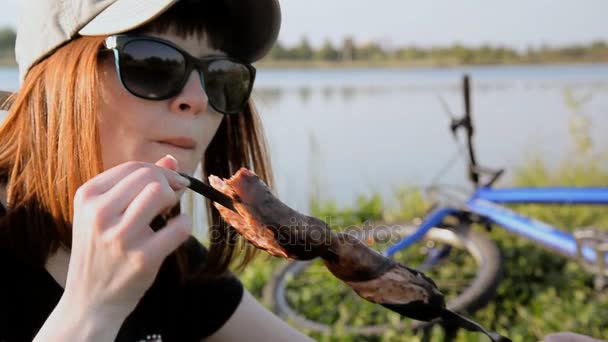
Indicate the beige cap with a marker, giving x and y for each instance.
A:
(45, 25)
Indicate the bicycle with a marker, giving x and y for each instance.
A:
(448, 237)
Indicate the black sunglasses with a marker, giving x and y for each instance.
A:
(156, 69)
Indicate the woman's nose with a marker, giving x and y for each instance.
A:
(193, 98)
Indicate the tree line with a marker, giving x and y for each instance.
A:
(350, 51)
(7, 44)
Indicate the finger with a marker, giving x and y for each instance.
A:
(166, 240)
(122, 194)
(168, 162)
(104, 181)
(155, 198)
(169, 165)
(142, 213)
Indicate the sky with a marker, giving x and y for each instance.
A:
(515, 23)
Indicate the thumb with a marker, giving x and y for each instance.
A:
(167, 162)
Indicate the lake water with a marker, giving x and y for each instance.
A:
(347, 132)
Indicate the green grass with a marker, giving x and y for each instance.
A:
(540, 294)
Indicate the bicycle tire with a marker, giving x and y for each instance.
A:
(477, 294)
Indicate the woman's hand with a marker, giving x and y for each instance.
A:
(115, 255)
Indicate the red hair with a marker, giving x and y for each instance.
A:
(49, 146)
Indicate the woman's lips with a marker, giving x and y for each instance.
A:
(179, 142)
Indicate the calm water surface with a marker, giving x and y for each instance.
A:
(340, 133)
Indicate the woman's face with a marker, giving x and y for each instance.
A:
(131, 128)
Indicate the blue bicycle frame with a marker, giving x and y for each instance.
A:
(485, 202)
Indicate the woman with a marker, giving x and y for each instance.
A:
(116, 96)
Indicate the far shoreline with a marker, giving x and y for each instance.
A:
(322, 65)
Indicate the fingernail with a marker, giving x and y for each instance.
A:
(171, 157)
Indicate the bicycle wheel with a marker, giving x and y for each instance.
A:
(308, 296)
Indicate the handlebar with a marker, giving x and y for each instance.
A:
(475, 171)
(494, 175)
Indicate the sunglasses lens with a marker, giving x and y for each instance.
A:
(228, 85)
(151, 70)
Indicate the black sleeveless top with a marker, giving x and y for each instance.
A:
(168, 311)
